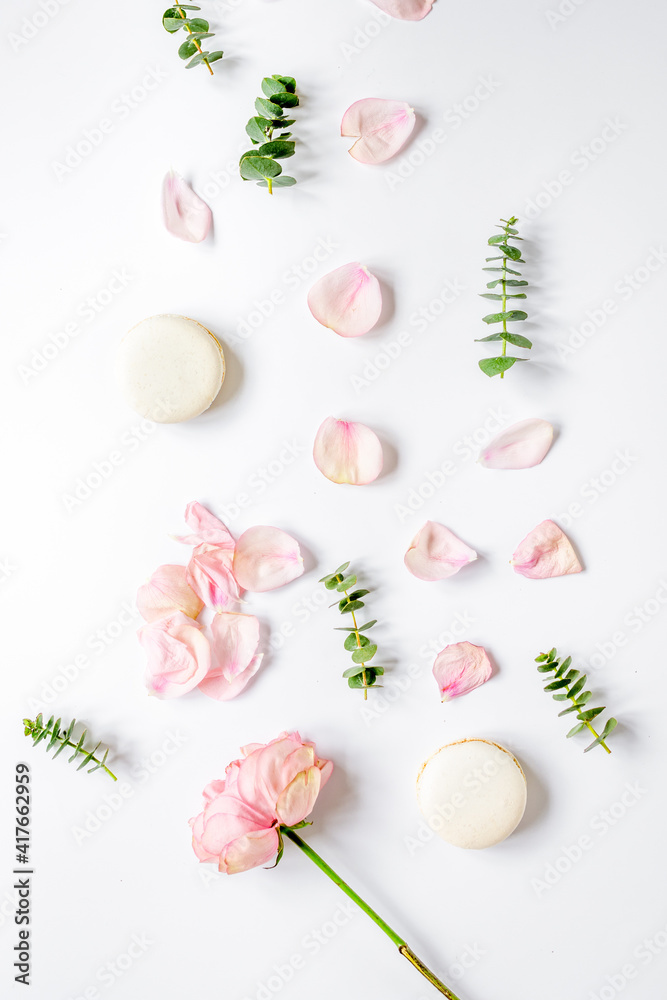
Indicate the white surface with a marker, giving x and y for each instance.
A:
(69, 575)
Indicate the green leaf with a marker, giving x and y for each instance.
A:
(545, 668)
(590, 714)
(258, 167)
(511, 316)
(285, 100)
(196, 24)
(199, 58)
(364, 654)
(212, 57)
(576, 688)
(356, 594)
(341, 569)
(288, 82)
(353, 671)
(496, 240)
(352, 606)
(358, 681)
(503, 270)
(255, 129)
(271, 85)
(286, 122)
(348, 582)
(491, 295)
(609, 728)
(517, 340)
(351, 642)
(494, 366)
(514, 253)
(555, 685)
(187, 49)
(277, 148)
(268, 109)
(283, 181)
(485, 340)
(559, 697)
(576, 729)
(566, 711)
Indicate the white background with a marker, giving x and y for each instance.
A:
(71, 570)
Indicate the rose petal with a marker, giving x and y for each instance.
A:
(436, 553)
(266, 558)
(382, 126)
(347, 452)
(460, 668)
(178, 655)
(544, 553)
(207, 528)
(405, 10)
(298, 799)
(234, 641)
(521, 446)
(210, 575)
(251, 851)
(347, 300)
(167, 591)
(185, 214)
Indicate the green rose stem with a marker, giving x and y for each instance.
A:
(398, 941)
(195, 40)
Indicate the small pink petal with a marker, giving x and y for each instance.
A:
(347, 300)
(266, 558)
(347, 452)
(185, 214)
(207, 528)
(461, 668)
(210, 575)
(405, 10)
(544, 553)
(521, 446)
(436, 553)
(234, 659)
(297, 800)
(167, 591)
(382, 128)
(178, 655)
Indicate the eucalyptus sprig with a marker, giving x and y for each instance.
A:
(568, 685)
(174, 19)
(38, 731)
(362, 674)
(499, 365)
(260, 164)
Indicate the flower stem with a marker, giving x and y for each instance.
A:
(195, 40)
(403, 948)
(358, 638)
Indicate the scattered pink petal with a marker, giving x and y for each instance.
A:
(405, 10)
(521, 446)
(461, 668)
(347, 300)
(178, 655)
(436, 553)
(266, 558)
(211, 576)
(234, 659)
(347, 452)
(382, 127)
(167, 591)
(544, 553)
(185, 214)
(207, 528)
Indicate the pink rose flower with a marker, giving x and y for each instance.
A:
(273, 785)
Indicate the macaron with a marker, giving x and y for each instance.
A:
(472, 793)
(170, 368)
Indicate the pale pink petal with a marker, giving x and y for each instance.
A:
(167, 591)
(251, 851)
(382, 127)
(347, 300)
(405, 10)
(207, 528)
(544, 553)
(266, 558)
(297, 800)
(460, 668)
(210, 575)
(178, 655)
(436, 553)
(234, 659)
(521, 446)
(185, 214)
(347, 452)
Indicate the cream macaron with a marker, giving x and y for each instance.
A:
(170, 368)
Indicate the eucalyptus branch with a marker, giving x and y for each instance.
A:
(260, 164)
(61, 738)
(568, 685)
(499, 365)
(362, 674)
(174, 19)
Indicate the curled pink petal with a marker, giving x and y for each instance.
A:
(544, 553)
(382, 127)
(185, 214)
(210, 575)
(461, 668)
(298, 799)
(206, 527)
(347, 300)
(234, 641)
(521, 446)
(347, 452)
(405, 10)
(266, 558)
(436, 553)
(178, 655)
(167, 591)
